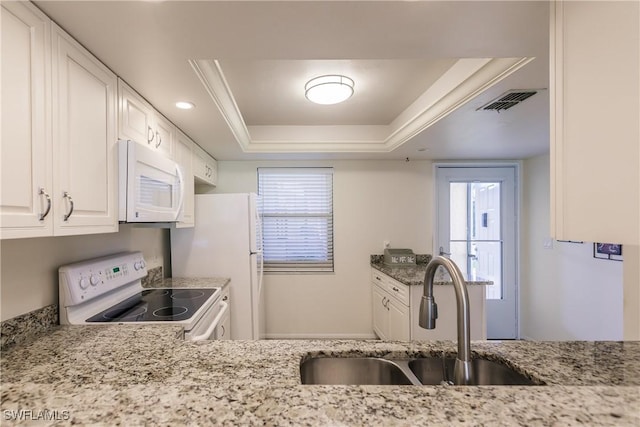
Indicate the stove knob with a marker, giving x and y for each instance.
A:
(84, 283)
(94, 280)
(138, 265)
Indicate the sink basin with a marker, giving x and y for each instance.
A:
(422, 371)
(358, 370)
(485, 372)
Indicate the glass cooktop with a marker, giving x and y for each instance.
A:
(161, 305)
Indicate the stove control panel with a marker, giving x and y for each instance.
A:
(83, 281)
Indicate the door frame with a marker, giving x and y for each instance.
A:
(517, 166)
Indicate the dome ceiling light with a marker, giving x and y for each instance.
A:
(329, 89)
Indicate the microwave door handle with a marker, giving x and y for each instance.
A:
(181, 178)
(213, 325)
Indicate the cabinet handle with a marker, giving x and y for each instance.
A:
(43, 215)
(159, 139)
(383, 298)
(226, 297)
(396, 289)
(150, 135)
(223, 331)
(66, 195)
(378, 278)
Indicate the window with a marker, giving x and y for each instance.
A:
(297, 219)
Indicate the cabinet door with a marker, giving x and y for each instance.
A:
(25, 147)
(84, 140)
(136, 116)
(399, 321)
(183, 149)
(205, 168)
(164, 135)
(380, 312)
(595, 149)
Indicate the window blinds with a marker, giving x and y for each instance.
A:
(297, 219)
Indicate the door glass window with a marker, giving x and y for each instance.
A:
(475, 237)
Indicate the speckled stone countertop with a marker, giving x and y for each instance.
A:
(190, 282)
(142, 375)
(414, 275)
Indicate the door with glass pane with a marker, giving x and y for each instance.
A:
(476, 228)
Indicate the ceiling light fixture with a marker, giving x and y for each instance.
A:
(185, 105)
(329, 89)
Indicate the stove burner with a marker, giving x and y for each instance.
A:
(170, 311)
(118, 314)
(187, 294)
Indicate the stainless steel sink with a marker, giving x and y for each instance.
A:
(343, 370)
(485, 372)
(421, 371)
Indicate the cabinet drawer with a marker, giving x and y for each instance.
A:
(392, 286)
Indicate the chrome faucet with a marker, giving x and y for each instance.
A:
(429, 314)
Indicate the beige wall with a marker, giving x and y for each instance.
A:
(565, 294)
(29, 279)
(373, 201)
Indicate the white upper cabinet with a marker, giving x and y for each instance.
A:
(135, 116)
(205, 167)
(595, 121)
(84, 140)
(25, 147)
(58, 131)
(184, 157)
(140, 122)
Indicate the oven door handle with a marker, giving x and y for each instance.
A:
(214, 324)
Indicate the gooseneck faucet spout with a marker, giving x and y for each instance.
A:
(429, 314)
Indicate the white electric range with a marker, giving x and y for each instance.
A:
(108, 290)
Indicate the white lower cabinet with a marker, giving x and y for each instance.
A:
(390, 314)
(396, 309)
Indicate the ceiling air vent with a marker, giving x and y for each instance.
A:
(507, 100)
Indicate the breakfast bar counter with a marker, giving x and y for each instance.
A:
(144, 375)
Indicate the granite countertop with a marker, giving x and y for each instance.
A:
(414, 275)
(190, 282)
(137, 375)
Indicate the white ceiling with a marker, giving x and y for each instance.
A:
(267, 49)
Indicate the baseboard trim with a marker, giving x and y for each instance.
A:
(328, 336)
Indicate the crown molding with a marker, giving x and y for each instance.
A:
(211, 76)
(465, 80)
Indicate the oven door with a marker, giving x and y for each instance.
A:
(151, 185)
(211, 325)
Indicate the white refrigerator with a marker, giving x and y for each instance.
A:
(226, 241)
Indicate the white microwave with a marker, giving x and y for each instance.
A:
(151, 186)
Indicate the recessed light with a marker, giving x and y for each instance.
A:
(185, 105)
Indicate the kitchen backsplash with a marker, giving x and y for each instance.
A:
(153, 275)
(26, 326)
